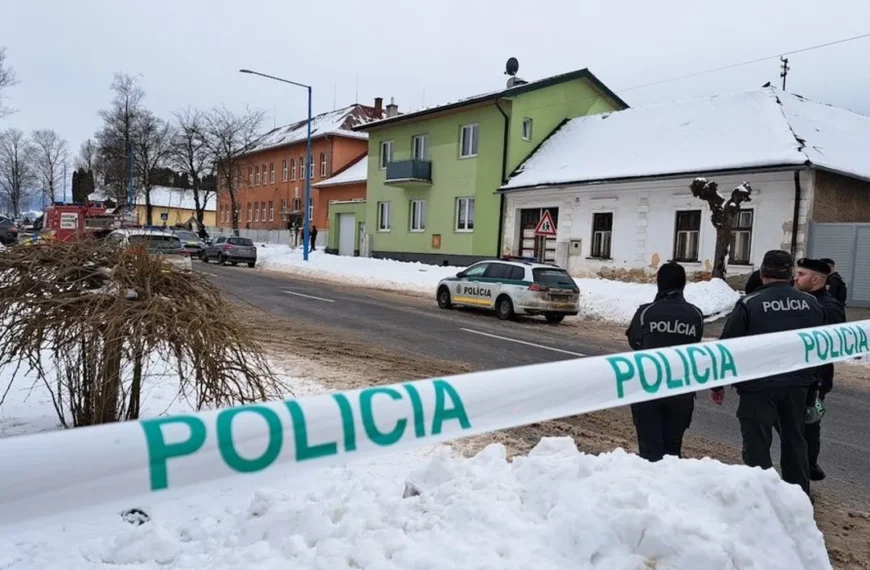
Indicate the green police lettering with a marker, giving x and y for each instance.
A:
(824, 345)
(693, 364)
(351, 410)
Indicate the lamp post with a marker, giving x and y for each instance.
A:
(307, 166)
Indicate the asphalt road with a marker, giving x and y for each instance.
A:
(419, 328)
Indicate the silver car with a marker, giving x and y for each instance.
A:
(158, 243)
(232, 250)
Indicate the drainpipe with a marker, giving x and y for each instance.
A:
(796, 213)
(504, 154)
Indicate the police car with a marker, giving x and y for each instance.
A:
(512, 286)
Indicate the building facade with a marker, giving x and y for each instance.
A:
(272, 193)
(433, 174)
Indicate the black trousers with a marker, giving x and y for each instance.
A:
(813, 432)
(783, 408)
(660, 425)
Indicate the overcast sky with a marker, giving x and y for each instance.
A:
(188, 52)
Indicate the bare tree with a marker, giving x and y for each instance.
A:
(152, 146)
(87, 155)
(191, 156)
(115, 139)
(50, 155)
(228, 137)
(17, 171)
(723, 214)
(7, 79)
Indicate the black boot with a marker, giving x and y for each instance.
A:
(816, 473)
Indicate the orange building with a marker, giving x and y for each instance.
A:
(273, 173)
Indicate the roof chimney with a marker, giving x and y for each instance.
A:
(379, 107)
(392, 108)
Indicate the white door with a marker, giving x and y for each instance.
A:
(346, 233)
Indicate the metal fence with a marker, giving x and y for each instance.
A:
(849, 246)
(282, 237)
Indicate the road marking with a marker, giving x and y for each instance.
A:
(524, 342)
(309, 296)
(211, 274)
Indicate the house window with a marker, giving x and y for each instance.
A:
(271, 211)
(420, 147)
(310, 209)
(283, 207)
(284, 171)
(687, 235)
(383, 216)
(527, 129)
(263, 211)
(323, 164)
(418, 215)
(297, 205)
(386, 153)
(741, 238)
(310, 168)
(256, 211)
(602, 226)
(250, 176)
(468, 141)
(257, 176)
(464, 214)
(301, 168)
(292, 169)
(271, 173)
(249, 211)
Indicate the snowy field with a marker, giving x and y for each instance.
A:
(603, 299)
(556, 508)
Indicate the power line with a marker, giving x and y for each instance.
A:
(750, 62)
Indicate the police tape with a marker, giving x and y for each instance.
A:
(51, 473)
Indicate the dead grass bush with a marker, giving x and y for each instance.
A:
(91, 321)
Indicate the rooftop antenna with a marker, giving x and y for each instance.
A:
(511, 68)
(785, 70)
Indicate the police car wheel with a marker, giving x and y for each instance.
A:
(554, 319)
(504, 308)
(444, 298)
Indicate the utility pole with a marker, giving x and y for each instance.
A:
(785, 69)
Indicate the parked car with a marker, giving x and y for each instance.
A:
(511, 287)
(190, 241)
(159, 243)
(8, 231)
(232, 250)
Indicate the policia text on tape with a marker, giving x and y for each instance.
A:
(51, 473)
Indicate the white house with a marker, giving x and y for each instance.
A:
(617, 184)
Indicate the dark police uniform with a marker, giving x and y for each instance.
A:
(667, 321)
(778, 400)
(835, 314)
(837, 287)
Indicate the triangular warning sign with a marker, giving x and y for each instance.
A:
(546, 227)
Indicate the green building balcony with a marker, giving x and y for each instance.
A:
(413, 173)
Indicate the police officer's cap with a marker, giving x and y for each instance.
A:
(816, 265)
(777, 259)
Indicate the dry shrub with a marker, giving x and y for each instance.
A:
(102, 316)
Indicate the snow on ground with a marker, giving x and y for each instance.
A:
(556, 508)
(614, 301)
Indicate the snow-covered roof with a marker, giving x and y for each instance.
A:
(336, 123)
(355, 173)
(165, 197)
(761, 128)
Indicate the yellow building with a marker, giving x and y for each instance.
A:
(176, 204)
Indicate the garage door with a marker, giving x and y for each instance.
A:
(346, 233)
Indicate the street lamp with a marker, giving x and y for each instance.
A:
(307, 166)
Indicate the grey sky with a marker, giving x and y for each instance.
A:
(188, 51)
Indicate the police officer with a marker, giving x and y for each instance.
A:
(779, 400)
(669, 320)
(836, 286)
(812, 277)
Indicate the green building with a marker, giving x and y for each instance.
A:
(433, 174)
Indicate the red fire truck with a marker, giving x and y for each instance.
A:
(66, 222)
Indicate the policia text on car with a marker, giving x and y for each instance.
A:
(668, 321)
(777, 401)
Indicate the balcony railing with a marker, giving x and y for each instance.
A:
(413, 172)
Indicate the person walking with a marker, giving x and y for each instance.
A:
(813, 276)
(779, 400)
(668, 321)
(313, 235)
(836, 286)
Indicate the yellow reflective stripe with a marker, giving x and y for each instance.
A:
(472, 301)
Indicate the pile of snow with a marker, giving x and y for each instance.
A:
(556, 508)
(614, 301)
